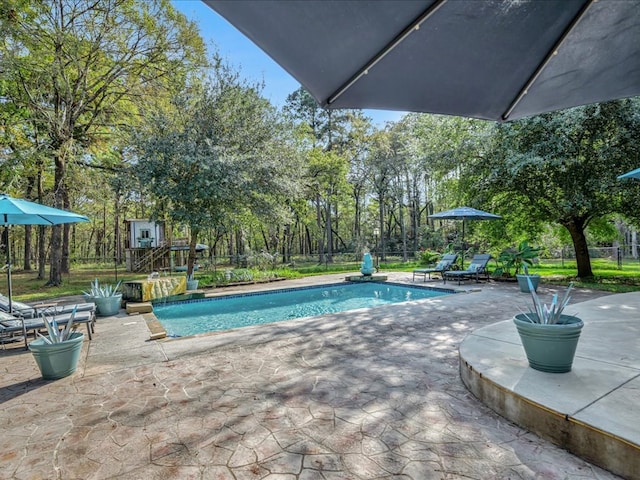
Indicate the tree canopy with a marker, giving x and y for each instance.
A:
(562, 167)
(80, 67)
(217, 152)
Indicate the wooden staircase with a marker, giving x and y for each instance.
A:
(152, 259)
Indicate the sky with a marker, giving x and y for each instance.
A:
(251, 61)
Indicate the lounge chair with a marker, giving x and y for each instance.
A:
(12, 324)
(477, 268)
(34, 311)
(443, 265)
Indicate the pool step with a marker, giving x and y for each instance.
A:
(144, 307)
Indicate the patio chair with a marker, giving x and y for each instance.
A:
(443, 265)
(477, 268)
(12, 324)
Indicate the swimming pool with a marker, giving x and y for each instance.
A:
(234, 311)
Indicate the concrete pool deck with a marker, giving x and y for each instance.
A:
(373, 393)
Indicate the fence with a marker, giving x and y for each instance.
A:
(623, 254)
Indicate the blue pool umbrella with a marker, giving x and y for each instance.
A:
(14, 211)
(464, 213)
(632, 174)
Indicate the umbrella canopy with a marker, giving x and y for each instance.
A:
(495, 59)
(464, 213)
(14, 211)
(632, 174)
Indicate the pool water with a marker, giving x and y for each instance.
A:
(234, 311)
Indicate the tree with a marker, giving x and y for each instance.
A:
(327, 179)
(217, 154)
(322, 130)
(561, 167)
(81, 67)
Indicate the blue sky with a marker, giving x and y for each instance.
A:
(252, 62)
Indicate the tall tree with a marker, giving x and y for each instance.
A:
(219, 154)
(82, 66)
(326, 130)
(562, 167)
(380, 165)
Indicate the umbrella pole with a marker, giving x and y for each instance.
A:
(463, 249)
(6, 229)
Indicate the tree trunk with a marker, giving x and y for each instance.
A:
(117, 243)
(328, 229)
(27, 231)
(55, 272)
(66, 231)
(27, 248)
(192, 251)
(42, 252)
(576, 229)
(381, 223)
(403, 229)
(320, 230)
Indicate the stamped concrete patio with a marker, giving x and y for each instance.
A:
(369, 394)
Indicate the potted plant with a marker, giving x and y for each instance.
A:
(526, 280)
(192, 284)
(106, 297)
(549, 337)
(57, 354)
(517, 258)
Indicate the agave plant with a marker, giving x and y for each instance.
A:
(547, 314)
(102, 291)
(55, 334)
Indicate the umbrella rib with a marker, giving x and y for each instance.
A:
(524, 90)
(46, 220)
(415, 25)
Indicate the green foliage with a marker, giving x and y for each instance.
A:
(428, 257)
(217, 155)
(603, 230)
(562, 167)
(79, 71)
(241, 275)
(517, 257)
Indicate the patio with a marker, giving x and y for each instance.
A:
(367, 394)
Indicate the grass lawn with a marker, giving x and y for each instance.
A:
(607, 276)
(27, 287)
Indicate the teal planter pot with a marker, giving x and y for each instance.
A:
(107, 306)
(550, 348)
(524, 285)
(192, 284)
(57, 360)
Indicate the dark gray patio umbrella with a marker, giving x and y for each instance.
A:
(14, 211)
(464, 213)
(489, 59)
